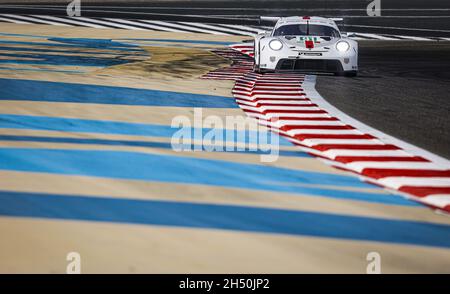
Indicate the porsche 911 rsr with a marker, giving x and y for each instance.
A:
(306, 44)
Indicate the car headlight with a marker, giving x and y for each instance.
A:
(275, 45)
(342, 46)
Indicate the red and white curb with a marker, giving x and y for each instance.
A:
(244, 48)
(289, 104)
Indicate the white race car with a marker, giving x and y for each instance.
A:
(306, 44)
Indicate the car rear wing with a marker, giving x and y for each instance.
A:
(340, 23)
(338, 20)
(269, 18)
(276, 18)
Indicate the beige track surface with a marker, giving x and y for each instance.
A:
(38, 245)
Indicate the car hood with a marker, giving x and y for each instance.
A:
(309, 42)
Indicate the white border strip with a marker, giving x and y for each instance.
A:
(310, 89)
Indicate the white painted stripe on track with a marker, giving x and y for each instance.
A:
(272, 96)
(439, 200)
(275, 78)
(398, 182)
(361, 165)
(275, 107)
(299, 123)
(315, 142)
(183, 27)
(320, 131)
(210, 26)
(109, 23)
(280, 101)
(33, 19)
(250, 85)
(276, 87)
(398, 28)
(14, 20)
(376, 36)
(277, 91)
(261, 110)
(298, 115)
(358, 38)
(415, 38)
(134, 25)
(333, 153)
(70, 20)
(245, 28)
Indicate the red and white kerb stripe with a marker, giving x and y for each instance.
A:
(244, 48)
(281, 102)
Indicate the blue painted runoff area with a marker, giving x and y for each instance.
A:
(187, 170)
(134, 143)
(223, 217)
(31, 90)
(30, 122)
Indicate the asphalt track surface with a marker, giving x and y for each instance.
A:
(402, 90)
(401, 17)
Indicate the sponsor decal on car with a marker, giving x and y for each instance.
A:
(301, 39)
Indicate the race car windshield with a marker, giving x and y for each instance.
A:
(306, 30)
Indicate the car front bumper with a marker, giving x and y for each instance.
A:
(312, 61)
(312, 65)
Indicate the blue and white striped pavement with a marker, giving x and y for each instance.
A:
(86, 165)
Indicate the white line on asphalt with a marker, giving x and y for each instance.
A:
(397, 182)
(133, 24)
(320, 131)
(360, 165)
(293, 123)
(32, 19)
(379, 37)
(333, 153)
(14, 20)
(314, 142)
(398, 28)
(70, 21)
(245, 28)
(184, 27)
(415, 38)
(210, 26)
(108, 23)
(439, 200)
